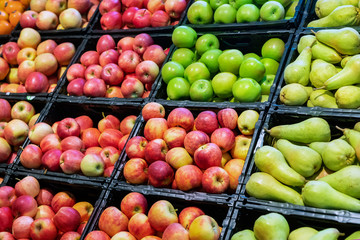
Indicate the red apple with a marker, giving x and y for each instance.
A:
(133, 3)
(215, 180)
(27, 186)
(62, 199)
(139, 226)
(178, 157)
(46, 46)
(70, 161)
(160, 19)
(43, 228)
(105, 42)
(111, 20)
(112, 221)
(155, 5)
(162, 214)
(25, 68)
(175, 8)
(147, 71)
(136, 171)
(91, 12)
(155, 128)
(90, 137)
(51, 141)
(194, 139)
(155, 53)
(153, 110)
(93, 71)
(95, 87)
(110, 137)
(44, 211)
(36, 82)
(127, 124)
(90, 57)
(31, 156)
(110, 121)
(175, 231)
(75, 71)
(39, 131)
(5, 114)
(112, 74)
(67, 219)
(71, 236)
(81, 5)
(204, 227)
(21, 227)
(188, 177)
(208, 155)
(142, 40)
(128, 60)
(84, 122)
(51, 159)
(7, 196)
(160, 174)
(224, 138)
(15, 132)
(6, 219)
(133, 203)
(4, 68)
(125, 43)
(174, 137)
(110, 155)
(188, 214)
(72, 142)
(122, 142)
(108, 56)
(24, 205)
(227, 118)
(142, 18)
(97, 235)
(155, 150)
(207, 122)
(94, 150)
(44, 197)
(234, 169)
(10, 51)
(68, 127)
(64, 52)
(132, 88)
(109, 6)
(28, 19)
(181, 117)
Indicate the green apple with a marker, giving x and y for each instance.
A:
(201, 90)
(184, 37)
(222, 84)
(200, 12)
(246, 90)
(178, 88)
(206, 42)
(230, 61)
(272, 11)
(238, 3)
(184, 56)
(196, 71)
(259, 3)
(210, 59)
(271, 65)
(273, 48)
(252, 55)
(217, 3)
(171, 70)
(247, 13)
(217, 99)
(290, 12)
(252, 68)
(225, 14)
(266, 84)
(246, 121)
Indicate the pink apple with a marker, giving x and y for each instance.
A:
(207, 122)
(160, 19)
(46, 46)
(67, 219)
(39, 131)
(136, 171)
(72, 142)
(97, 235)
(135, 148)
(44, 197)
(128, 61)
(224, 138)
(108, 56)
(155, 53)
(68, 127)
(84, 122)
(188, 214)
(162, 214)
(5, 114)
(62, 199)
(110, 137)
(10, 51)
(208, 155)
(123, 235)
(181, 117)
(6, 236)
(46, 63)
(153, 110)
(127, 124)
(81, 5)
(24, 205)
(139, 226)
(6, 219)
(91, 12)
(75, 71)
(227, 118)
(93, 71)
(71, 236)
(215, 180)
(89, 58)
(51, 141)
(70, 161)
(194, 139)
(31, 156)
(125, 43)
(132, 88)
(7, 196)
(90, 137)
(44, 211)
(133, 203)
(188, 177)
(112, 221)
(95, 87)
(178, 157)
(27, 186)
(175, 231)
(142, 18)
(141, 42)
(155, 5)
(111, 20)
(109, 6)
(105, 42)
(76, 87)
(92, 165)
(110, 155)
(110, 121)
(155, 128)
(147, 71)
(160, 174)
(128, 16)
(21, 227)
(64, 52)
(123, 141)
(204, 227)
(5, 150)
(175, 8)
(4, 68)
(155, 150)
(51, 159)
(43, 228)
(28, 19)
(36, 82)
(16, 132)
(133, 3)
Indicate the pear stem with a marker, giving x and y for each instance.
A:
(319, 88)
(339, 128)
(267, 130)
(313, 32)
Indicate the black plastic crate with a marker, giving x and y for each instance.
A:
(76, 40)
(5, 175)
(119, 178)
(179, 201)
(96, 111)
(96, 27)
(246, 42)
(163, 40)
(279, 24)
(280, 117)
(244, 218)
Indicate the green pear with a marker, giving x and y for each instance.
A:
(318, 146)
(264, 186)
(244, 235)
(323, 98)
(348, 76)
(303, 233)
(299, 70)
(338, 69)
(309, 90)
(353, 137)
(346, 180)
(270, 160)
(323, 52)
(290, 12)
(271, 226)
(344, 40)
(346, 15)
(309, 104)
(344, 61)
(313, 129)
(354, 235)
(321, 195)
(302, 159)
(305, 41)
(338, 154)
(357, 127)
(327, 234)
(293, 94)
(324, 7)
(348, 97)
(320, 72)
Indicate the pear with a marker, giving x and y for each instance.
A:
(271, 226)
(346, 15)
(327, 234)
(353, 137)
(348, 97)
(323, 98)
(344, 61)
(324, 7)
(348, 76)
(320, 72)
(264, 186)
(318, 146)
(338, 154)
(313, 129)
(244, 235)
(338, 69)
(357, 128)
(290, 12)
(305, 41)
(309, 104)
(354, 235)
(293, 94)
(302, 159)
(320, 174)
(309, 90)
(299, 70)
(321, 195)
(346, 180)
(323, 52)
(303, 233)
(270, 160)
(344, 40)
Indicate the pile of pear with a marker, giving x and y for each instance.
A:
(336, 13)
(326, 73)
(274, 226)
(304, 166)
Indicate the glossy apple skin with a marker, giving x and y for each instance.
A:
(207, 122)
(188, 177)
(85, 209)
(224, 138)
(67, 219)
(62, 199)
(155, 150)
(227, 118)
(215, 180)
(44, 211)
(175, 231)
(139, 226)
(21, 227)
(43, 228)
(162, 214)
(208, 155)
(97, 235)
(90, 137)
(133, 203)
(188, 214)
(195, 139)
(24, 205)
(31, 156)
(160, 174)
(204, 227)
(136, 171)
(7, 196)
(6, 219)
(112, 221)
(29, 185)
(44, 197)
(68, 127)
(135, 148)
(70, 161)
(155, 128)
(174, 137)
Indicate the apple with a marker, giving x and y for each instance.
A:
(51, 141)
(154, 53)
(10, 51)
(215, 180)
(84, 121)
(174, 137)
(4, 67)
(71, 236)
(228, 118)
(141, 42)
(110, 137)
(273, 48)
(234, 169)
(196, 71)
(110, 155)
(247, 13)
(39, 131)
(110, 121)
(194, 139)
(204, 227)
(75, 71)
(62, 199)
(92, 165)
(272, 11)
(200, 12)
(225, 14)
(171, 70)
(208, 155)
(188, 177)
(67, 219)
(46, 63)
(108, 56)
(7, 196)
(75, 87)
(147, 71)
(188, 214)
(184, 36)
(46, 46)
(24, 205)
(55, 6)
(25, 68)
(155, 128)
(139, 226)
(44, 211)
(44, 197)
(5, 114)
(111, 20)
(28, 19)
(27, 53)
(133, 3)
(128, 16)
(112, 221)
(70, 18)
(160, 174)
(112, 74)
(5, 150)
(175, 231)
(68, 127)
(36, 82)
(151, 238)
(135, 148)
(64, 52)
(135, 171)
(28, 38)
(162, 214)
(142, 18)
(230, 61)
(246, 90)
(97, 235)
(181, 117)
(155, 150)
(175, 8)
(127, 124)
(6, 236)
(128, 61)
(85, 210)
(89, 58)
(81, 5)
(21, 227)
(160, 19)
(31, 156)
(27, 186)
(90, 137)
(242, 144)
(46, 20)
(247, 121)
(7, 219)
(133, 203)
(93, 71)
(224, 138)
(95, 87)
(95, 150)
(16, 132)
(109, 5)
(43, 228)
(155, 5)
(206, 122)
(70, 161)
(178, 157)
(123, 141)
(252, 68)
(51, 159)
(72, 142)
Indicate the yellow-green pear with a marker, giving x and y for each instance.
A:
(290, 12)
(354, 235)
(338, 154)
(246, 234)
(324, 7)
(346, 15)
(323, 98)
(299, 70)
(305, 41)
(293, 94)
(303, 233)
(344, 61)
(320, 72)
(327, 234)
(323, 52)
(271, 226)
(348, 97)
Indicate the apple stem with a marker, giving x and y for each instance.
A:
(103, 114)
(21, 148)
(45, 171)
(17, 179)
(339, 128)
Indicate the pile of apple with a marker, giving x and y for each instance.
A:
(58, 14)
(15, 122)
(133, 221)
(32, 66)
(240, 11)
(126, 69)
(30, 212)
(73, 145)
(200, 71)
(206, 153)
(125, 14)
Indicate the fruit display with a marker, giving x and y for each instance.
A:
(35, 64)
(217, 68)
(187, 149)
(87, 141)
(150, 14)
(324, 73)
(38, 207)
(10, 14)
(121, 67)
(16, 120)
